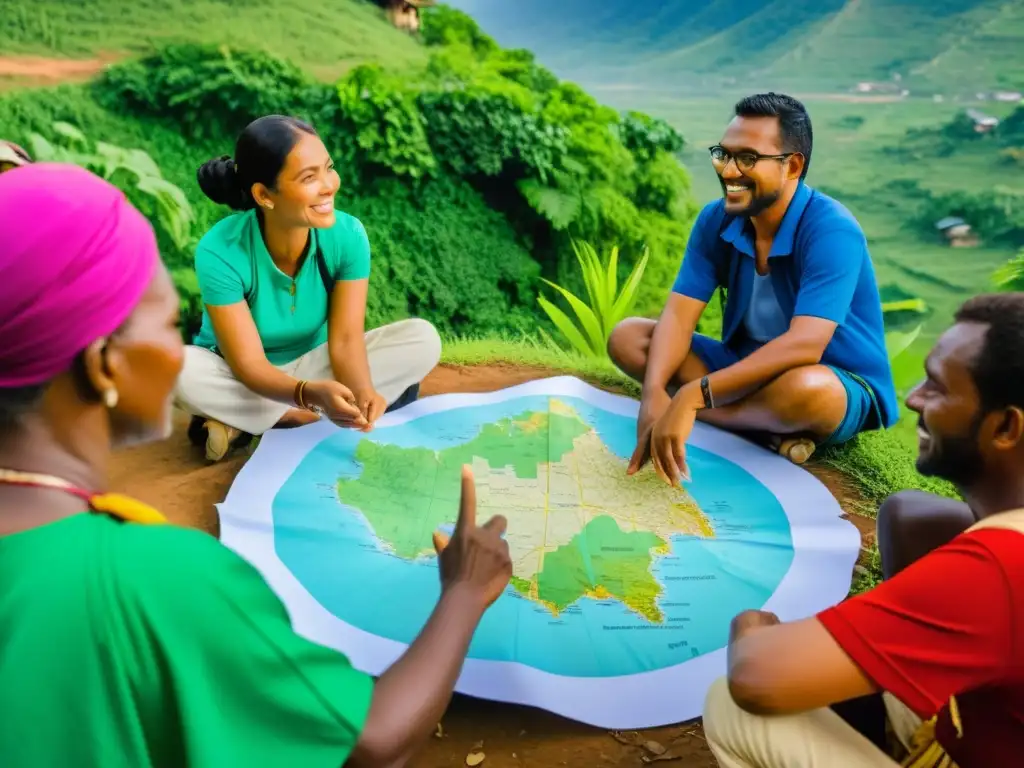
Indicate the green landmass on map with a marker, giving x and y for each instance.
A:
(578, 526)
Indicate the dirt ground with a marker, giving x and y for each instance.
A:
(33, 71)
(174, 477)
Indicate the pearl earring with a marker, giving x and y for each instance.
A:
(110, 398)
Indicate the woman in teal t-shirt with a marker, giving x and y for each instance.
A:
(284, 285)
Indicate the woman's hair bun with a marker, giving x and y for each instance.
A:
(218, 179)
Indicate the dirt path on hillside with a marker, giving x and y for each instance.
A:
(29, 71)
(174, 477)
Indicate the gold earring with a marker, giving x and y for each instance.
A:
(270, 206)
(110, 398)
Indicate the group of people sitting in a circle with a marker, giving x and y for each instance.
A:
(128, 641)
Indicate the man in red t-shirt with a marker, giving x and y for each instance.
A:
(940, 637)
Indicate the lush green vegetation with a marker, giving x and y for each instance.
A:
(475, 171)
(472, 177)
(692, 45)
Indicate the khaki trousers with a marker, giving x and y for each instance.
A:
(400, 354)
(815, 739)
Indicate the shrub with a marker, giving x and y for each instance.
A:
(210, 90)
(440, 253)
(485, 134)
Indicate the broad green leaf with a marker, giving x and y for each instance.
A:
(562, 322)
(630, 290)
(897, 342)
(611, 285)
(588, 320)
(69, 132)
(41, 149)
(592, 277)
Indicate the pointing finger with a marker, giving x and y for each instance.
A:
(467, 503)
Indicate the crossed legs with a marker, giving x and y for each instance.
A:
(809, 400)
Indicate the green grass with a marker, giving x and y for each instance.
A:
(533, 353)
(324, 39)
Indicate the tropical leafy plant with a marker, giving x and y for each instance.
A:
(132, 170)
(607, 306)
(1010, 276)
(135, 173)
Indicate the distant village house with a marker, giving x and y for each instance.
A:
(404, 14)
(958, 233)
(982, 123)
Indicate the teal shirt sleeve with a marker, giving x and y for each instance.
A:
(347, 249)
(832, 262)
(239, 685)
(220, 282)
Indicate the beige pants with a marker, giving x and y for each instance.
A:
(400, 354)
(815, 739)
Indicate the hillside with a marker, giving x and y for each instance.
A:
(327, 39)
(693, 45)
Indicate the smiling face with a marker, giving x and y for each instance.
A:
(306, 186)
(752, 175)
(951, 422)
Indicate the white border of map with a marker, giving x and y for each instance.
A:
(825, 551)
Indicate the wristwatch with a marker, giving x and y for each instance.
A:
(705, 390)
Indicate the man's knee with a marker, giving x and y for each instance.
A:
(809, 398)
(628, 344)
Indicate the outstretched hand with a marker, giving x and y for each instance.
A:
(668, 443)
(476, 557)
(652, 407)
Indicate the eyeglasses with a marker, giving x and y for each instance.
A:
(745, 160)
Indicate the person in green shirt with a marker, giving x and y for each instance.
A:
(284, 287)
(128, 642)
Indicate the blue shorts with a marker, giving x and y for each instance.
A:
(862, 411)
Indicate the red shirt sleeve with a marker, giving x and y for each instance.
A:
(941, 626)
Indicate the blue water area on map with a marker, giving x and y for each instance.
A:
(334, 554)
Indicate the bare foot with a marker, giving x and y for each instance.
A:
(796, 448)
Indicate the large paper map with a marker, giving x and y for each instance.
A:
(623, 589)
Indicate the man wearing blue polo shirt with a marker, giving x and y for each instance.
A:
(802, 360)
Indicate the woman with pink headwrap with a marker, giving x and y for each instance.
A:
(125, 640)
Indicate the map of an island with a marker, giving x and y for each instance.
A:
(578, 526)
